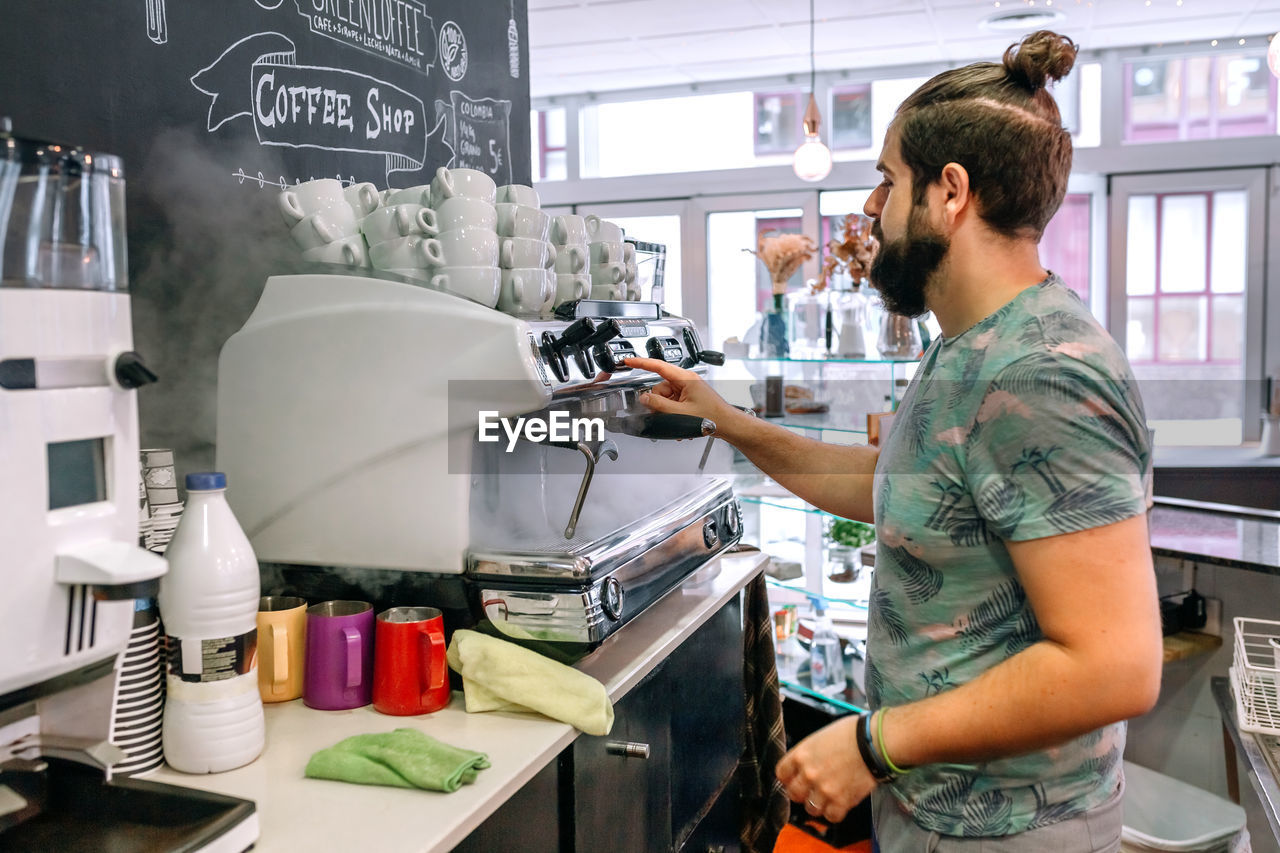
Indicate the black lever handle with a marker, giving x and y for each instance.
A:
(131, 372)
(575, 333)
(662, 426)
(606, 331)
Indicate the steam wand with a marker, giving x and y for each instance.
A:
(605, 448)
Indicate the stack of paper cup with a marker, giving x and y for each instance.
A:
(323, 219)
(569, 236)
(462, 257)
(607, 255)
(138, 706)
(526, 257)
(163, 508)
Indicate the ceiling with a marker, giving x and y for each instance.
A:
(580, 46)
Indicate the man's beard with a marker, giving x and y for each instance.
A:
(903, 268)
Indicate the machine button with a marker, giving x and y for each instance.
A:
(732, 521)
(611, 598)
(710, 533)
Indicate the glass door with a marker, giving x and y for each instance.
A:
(1186, 299)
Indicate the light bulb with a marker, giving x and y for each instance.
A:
(1273, 55)
(812, 160)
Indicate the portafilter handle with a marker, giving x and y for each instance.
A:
(659, 425)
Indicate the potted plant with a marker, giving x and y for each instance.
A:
(782, 255)
(847, 539)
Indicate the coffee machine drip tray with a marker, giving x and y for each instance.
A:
(577, 593)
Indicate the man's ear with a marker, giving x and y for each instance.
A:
(956, 198)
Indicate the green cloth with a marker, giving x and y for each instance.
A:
(405, 758)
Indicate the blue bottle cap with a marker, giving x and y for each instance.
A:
(206, 481)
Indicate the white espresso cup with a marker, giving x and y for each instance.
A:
(523, 252)
(420, 194)
(614, 273)
(524, 291)
(601, 230)
(607, 291)
(327, 226)
(571, 258)
(466, 213)
(571, 287)
(464, 183)
(299, 202)
(349, 250)
(363, 198)
(479, 284)
(632, 291)
(569, 228)
(518, 194)
(607, 252)
(398, 220)
(469, 247)
(629, 252)
(521, 220)
(631, 273)
(405, 252)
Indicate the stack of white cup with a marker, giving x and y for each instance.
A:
(613, 262)
(569, 236)
(463, 201)
(323, 218)
(528, 279)
(401, 234)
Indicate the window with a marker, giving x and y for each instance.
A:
(738, 287)
(851, 118)
(779, 118)
(1199, 97)
(1064, 246)
(549, 157)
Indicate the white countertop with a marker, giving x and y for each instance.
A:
(296, 813)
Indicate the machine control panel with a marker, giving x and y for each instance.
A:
(609, 355)
(667, 349)
(633, 327)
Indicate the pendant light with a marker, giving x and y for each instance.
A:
(812, 160)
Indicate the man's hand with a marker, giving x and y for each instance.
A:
(825, 771)
(684, 392)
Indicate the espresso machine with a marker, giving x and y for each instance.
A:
(361, 418)
(70, 558)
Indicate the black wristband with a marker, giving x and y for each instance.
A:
(867, 749)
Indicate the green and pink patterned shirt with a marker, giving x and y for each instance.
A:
(1027, 425)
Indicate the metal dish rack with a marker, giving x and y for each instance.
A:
(1254, 675)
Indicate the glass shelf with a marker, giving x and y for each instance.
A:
(856, 599)
(844, 701)
(823, 359)
(783, 502)
(820, 421)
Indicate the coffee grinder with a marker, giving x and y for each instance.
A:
(70, 559)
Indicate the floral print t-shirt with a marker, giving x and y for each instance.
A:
(1027, 425)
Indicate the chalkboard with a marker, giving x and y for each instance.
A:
(216, 105)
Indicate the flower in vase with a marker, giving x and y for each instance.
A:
(782, 255)
(853, 251)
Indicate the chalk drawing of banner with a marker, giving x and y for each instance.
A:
(311, 106)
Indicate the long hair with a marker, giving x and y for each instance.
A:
(1001, 124)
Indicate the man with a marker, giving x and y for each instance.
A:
(1014, 622)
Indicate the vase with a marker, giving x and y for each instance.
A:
(774, 341)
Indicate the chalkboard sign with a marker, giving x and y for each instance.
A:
(216, 105)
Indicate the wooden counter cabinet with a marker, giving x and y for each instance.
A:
(662, 780)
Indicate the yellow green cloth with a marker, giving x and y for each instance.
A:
(405, 758)
(501, 676)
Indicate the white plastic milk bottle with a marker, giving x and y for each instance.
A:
(209, 605)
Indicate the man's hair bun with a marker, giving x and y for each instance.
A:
(1042, 56)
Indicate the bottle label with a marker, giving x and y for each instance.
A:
(216, 659)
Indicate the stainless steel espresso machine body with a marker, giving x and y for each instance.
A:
(375, 424)
(69, 554)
